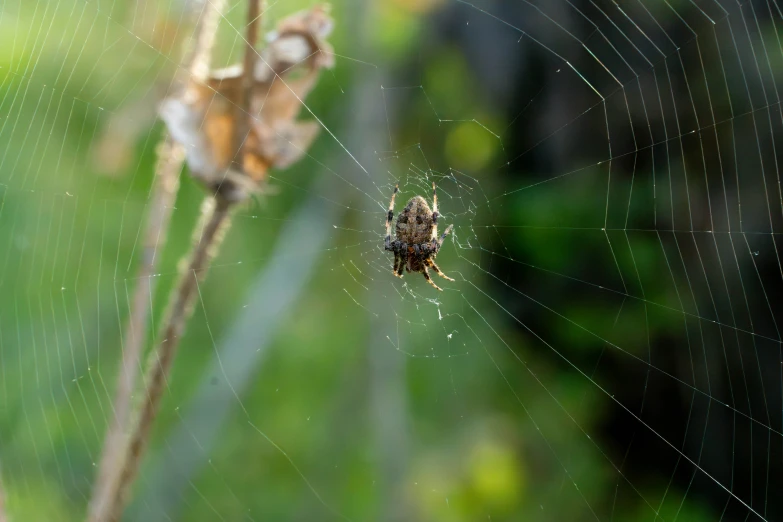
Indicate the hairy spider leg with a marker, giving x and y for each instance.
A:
(435, 213)
(397, 263)
(435, 267)
(429, 279)
(403, 259)
(433, 247)
(443, 237)
(390, 218)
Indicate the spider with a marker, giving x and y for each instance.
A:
(416, 243)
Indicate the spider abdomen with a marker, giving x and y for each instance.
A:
(414, 224)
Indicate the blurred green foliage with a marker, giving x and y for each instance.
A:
(484, 421)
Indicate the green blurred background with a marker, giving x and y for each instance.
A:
(609, 349)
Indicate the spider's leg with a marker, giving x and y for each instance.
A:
(435, 267)
(397, 262)
(390, 218)
(443, 237)
(403, 259)
(435, 213)
(429, 279)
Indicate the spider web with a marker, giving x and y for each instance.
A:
(609, 348)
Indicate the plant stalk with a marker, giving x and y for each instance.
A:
(244, 119)
(171, 156)
(216, 216)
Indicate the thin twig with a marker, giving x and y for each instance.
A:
(170, 159)
(216, 215)
(251, 54)
(244, 120)
(205, 246)
(256, 324)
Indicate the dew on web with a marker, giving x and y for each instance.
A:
(608, 349)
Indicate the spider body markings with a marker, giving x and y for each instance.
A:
(416, 241)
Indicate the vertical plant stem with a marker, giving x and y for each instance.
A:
(170, 157)
(251, 54)
(216, 219)
(166, 184)
(244, 119)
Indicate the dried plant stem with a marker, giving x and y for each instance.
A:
(215, 222)
(215, 215)
(244, 116)
(170, 159)
(249, 65)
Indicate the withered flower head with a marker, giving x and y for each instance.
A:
(206, 117)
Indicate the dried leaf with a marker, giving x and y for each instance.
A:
(205, 118)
